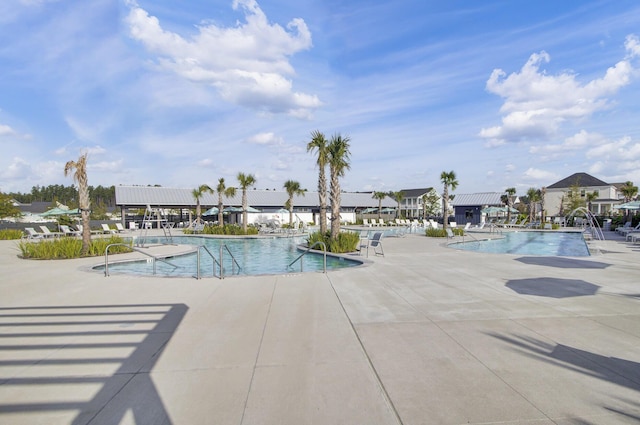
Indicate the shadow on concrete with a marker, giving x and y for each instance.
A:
(563, 262)
(625, 373)
(54, 351)
(552, 287)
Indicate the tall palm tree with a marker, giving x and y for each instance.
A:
(629, 191)
(319, 144)
(223, 191)
(84, 204)
(448, 180)
(590, 197)
(511, 191)
(197, 194)
(398, 197)
(379, 196)
(338, 159)
(534, 197)
(245, 181)
(293, 188)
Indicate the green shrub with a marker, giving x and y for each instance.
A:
(65, 248)
(442, 233)
(227, 230)
(10, 234)
(346, 241)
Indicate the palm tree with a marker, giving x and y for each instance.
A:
(338, 159)
(449, 181)
(293, 188)
(591, 196)
(511, 191)
(245, 181)
(84, 204)
(319, 143)
(223, 191)
(534, 196)
(629, 191)
(379, 196)
(197, 194)
(398, 197)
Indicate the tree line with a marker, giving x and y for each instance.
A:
(67, 195)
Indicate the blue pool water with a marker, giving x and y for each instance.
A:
(256, 257)
(563, 244)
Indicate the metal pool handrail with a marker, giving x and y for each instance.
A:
(324, 255)
(234, 262)
(153, 257)
(214, 262)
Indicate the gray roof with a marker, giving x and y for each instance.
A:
(477, 199)
(578, 179)
(141, 196)
(415, 193)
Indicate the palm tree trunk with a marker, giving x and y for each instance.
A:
(84, 203)
(335, 206)
(322, 197)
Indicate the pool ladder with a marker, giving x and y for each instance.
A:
(324, 253)
(153, 258)
(215, 262)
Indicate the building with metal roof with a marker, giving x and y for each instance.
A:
(267, 201)
(467, 206)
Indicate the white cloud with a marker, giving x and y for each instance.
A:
(266, 139)
(6, 131)
(111, 166)
(18, 169)
(540, 175)
(537, 104)
(248, 64)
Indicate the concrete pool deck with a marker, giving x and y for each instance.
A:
(424, 335)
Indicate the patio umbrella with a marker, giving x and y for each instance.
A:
(59, 211)
(492, 210)
(368, 210)
(211, 211)
(633, 205)
(387, 210)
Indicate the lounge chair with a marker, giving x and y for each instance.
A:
(120, 228)
(48, 233)
(93, 232)
(626, 226)
(373, 242)
(66, 230)
(107, 229)
(629, 229)
(33, 234)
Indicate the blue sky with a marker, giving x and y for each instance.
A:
(505, 93)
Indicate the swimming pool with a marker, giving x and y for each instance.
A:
(256, 256)
(561, 244)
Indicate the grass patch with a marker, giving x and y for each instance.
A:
(66, 248)
(442, 233)
(346, 241)
(10, 234)
(226, 230)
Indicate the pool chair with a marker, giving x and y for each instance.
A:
(622, 229)
(33, 234)
(48, 233)
(93, 232)
(629, 229)
(120, 228)
(373, 242)
(66, 230)
(107, 229)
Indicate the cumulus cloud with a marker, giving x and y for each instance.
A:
(536, 174)
(18, 169)
(248, 64)
(265, 139)
(537, 104)
(579, 142)
(6, 131)
(110, 166)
